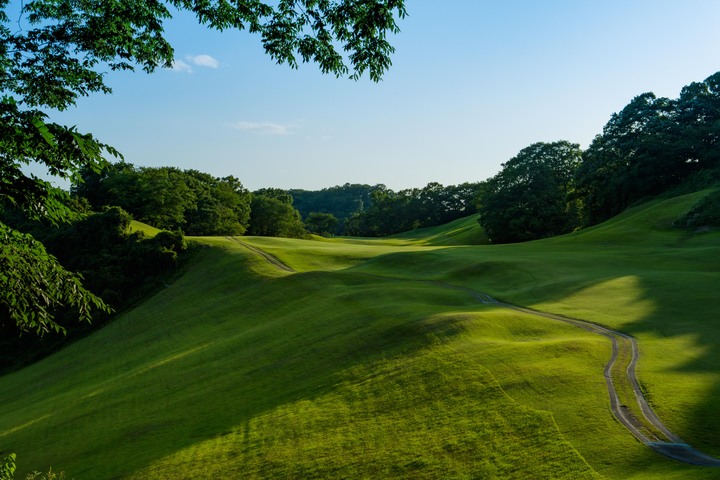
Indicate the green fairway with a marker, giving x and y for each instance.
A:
(372, 359)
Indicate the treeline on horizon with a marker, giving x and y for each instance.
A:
(653, 144)
(199, 204)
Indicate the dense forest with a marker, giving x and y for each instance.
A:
(374, 211)
(341, 202)
(197, 203)
(651, 146)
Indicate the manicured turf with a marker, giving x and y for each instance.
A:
(148, 230)
(464, 231)
(365, 364)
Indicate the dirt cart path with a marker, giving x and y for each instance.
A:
(639, 419)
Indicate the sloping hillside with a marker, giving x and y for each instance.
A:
(464, 231)
(369, 361)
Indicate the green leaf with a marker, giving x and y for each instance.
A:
(45, 132)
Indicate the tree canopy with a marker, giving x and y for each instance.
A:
(169, 198)
(651, 145)
(272, 215)
(54, 51)
(529, 198)
(393, 212)
(341, 201)
(323, 224)
(119, 265)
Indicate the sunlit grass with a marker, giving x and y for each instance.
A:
(365, 363)
(149, 231)
(464, 231)
(437, 414)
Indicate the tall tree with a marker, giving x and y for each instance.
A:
(698, 123)
(528, 199)
(164, 197)
(634, 157)
(341, 201)
(392, 212)
(323, 224)
(222, 208)
(272, 217)
(58, 50)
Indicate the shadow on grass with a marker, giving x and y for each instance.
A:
(223, 346)
(205, 357)
(675, 285)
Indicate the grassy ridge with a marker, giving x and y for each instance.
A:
(270, 362)
(635, 274)
(363, 365)
(464, 231)
(432, 414)
(148, 230)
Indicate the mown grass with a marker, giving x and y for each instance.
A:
(463, 231)
(309, 360)
(148, 230)
(437, 413)
(365, 364)
(636, 274)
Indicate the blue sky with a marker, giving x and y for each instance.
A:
(472, 83)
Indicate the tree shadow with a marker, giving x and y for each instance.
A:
(674, 295)
(206, 358)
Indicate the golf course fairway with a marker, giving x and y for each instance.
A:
(380, 358)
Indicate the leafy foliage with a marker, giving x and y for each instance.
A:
(114, 261)
(394, 212)
(528, 199)
(116, 265)
(7, 471)
(321, 223)
(222, 206)
(272, 215)
(170, 198)
(650, 146)
(7, 467)
(341, 201)
(34, 284)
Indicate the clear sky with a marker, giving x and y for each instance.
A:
(472, 83)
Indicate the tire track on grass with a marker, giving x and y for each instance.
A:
(647, 428)
(270, 258)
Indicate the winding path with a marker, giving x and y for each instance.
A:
(639, 419)
(646, 427)
(270, 258)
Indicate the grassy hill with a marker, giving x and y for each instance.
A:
(148, 230)
(464, 231)
(369, 361)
